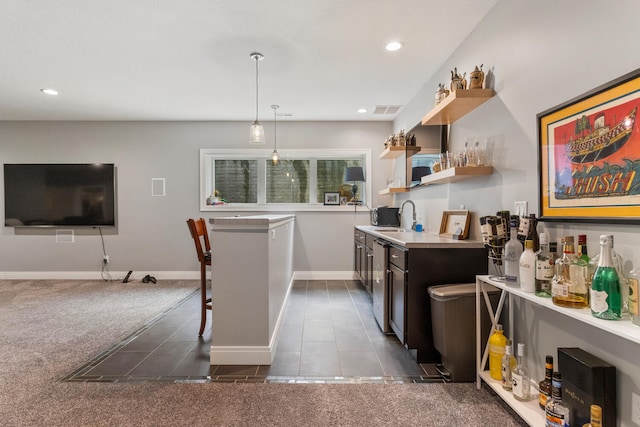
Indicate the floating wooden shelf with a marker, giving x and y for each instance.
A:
(456, 105)
(393, 190)
(456, 174)
(399, 150)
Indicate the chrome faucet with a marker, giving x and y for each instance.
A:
(413, 226)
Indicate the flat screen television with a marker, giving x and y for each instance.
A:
(71, 195)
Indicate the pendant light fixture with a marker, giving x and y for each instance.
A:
(256, 133)
(274, 155)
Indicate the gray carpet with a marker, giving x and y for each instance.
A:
(52, 327)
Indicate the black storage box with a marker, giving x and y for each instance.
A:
(587, 380)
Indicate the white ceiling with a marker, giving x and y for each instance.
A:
(189, 59)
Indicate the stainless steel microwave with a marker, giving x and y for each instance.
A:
(385, 217)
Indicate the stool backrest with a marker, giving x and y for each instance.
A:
(198, 230)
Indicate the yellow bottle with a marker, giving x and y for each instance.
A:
(497, 349)
(596, 417)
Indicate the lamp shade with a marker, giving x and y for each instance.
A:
(354, 173)
(419, 171)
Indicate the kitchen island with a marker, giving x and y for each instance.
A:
(251, 271)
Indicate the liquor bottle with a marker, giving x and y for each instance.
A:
(596, 417)
(553, 250)
(520, 377)
(512, 252)
(582, 247)
(533, 232)
(545, 385)
(618, 262)
(523, 229)
(634, 307)
(570, 284)
(544, 268)
(556, 413)
(527, 268)
(606, 300)
(497, 349)
(508, 363)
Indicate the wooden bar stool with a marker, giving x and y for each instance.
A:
(198, 229)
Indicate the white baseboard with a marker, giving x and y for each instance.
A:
(324, 275)
(160, 275)
(96, 275)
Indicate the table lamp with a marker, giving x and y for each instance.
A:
(353, 174)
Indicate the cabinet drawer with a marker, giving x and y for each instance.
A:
(359, 237)
(398, 257)
(368, 240)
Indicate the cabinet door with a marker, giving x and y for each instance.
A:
(368, 270)
(397, 304)
(357, 259)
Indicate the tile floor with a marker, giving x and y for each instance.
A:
(328, 334)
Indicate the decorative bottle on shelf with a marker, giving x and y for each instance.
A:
(508, 363)
(497, 349)
(521, 381)
(527, 268)
(556, 413)
(596, 417)
(544, 268)
(606, 300)
(545, 385)
(570, 284)
(512, 252)
(582, 247)
(533, 232)
(618, 263)
(634, 307)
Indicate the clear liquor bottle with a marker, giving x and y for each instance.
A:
(618, 263)
(606, 300)
(544, 386)
(556, 413)
(570, 284)
(544, 268)
(520, 379)
(527, 268)
(508, 363)
(512, 252)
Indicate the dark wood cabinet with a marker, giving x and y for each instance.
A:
(411, 272)
(363, 258)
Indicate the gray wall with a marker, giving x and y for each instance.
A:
(152, 235)
(542, 54)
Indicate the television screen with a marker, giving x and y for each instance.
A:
(59, 195)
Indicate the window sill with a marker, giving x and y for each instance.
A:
(230, 207)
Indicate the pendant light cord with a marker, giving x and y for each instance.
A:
(257, 59)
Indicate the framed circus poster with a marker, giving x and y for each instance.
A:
(589, 156)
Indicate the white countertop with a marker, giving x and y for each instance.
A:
(249, 221)
(414, 239)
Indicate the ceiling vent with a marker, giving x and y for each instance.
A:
(386, 109)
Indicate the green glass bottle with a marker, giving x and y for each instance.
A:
(606, 298)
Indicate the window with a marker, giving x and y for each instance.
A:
(247, 179)
(288, 181)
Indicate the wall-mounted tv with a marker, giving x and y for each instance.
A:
(70, 195)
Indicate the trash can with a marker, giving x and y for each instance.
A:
(453, 321)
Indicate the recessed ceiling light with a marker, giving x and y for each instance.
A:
(362, 110)
(393, 46)
(49, 91)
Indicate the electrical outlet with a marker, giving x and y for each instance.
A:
(106, 259)
(635, 408)
(520, 208)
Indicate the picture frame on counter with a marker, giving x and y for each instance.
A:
(332, 198)
(455, 224)
(589, 155)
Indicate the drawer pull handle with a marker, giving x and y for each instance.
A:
(395, 256)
